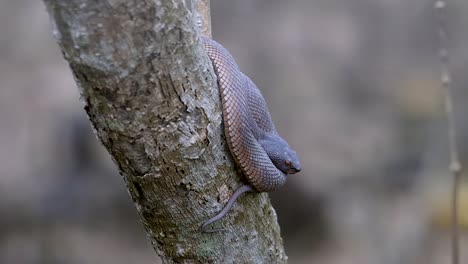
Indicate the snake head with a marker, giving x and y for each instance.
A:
(289, 162)
(281, 154)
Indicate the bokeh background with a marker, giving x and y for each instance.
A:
(353, 85)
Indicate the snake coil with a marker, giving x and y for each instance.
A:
(263, 156)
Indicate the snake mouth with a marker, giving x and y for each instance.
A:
(293, 170)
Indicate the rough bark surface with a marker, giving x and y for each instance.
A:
(151, 96)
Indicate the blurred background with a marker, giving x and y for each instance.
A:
(353, 85)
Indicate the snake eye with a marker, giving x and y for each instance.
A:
(287, 163)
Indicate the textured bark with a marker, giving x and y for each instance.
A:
(203, 17)
(151, 96)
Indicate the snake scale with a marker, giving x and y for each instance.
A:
(263, 156)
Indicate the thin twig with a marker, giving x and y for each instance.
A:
(455, 165)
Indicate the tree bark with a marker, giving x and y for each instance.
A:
(151, 95)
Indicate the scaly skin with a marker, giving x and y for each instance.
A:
(263, 156)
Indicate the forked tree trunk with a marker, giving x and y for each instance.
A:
(151, 96)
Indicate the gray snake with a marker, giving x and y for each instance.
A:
(263, 156)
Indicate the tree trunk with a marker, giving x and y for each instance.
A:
(151, 95)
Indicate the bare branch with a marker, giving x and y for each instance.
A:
(151, 95)
(455, 165)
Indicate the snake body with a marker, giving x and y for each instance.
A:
(263, 156)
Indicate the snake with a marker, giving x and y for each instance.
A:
(263, 156)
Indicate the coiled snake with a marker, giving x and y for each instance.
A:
(263, 156)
